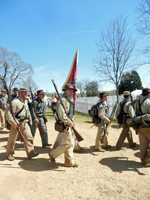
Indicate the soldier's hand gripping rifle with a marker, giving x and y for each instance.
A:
(108, 124)
(78, 136)
(22, 138)
(41, 133)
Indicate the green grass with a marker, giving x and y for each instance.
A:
(49, 114)
(79, 117)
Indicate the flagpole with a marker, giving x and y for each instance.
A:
(72, 75)
(77, 65)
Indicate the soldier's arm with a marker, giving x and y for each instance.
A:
(129, 109)
(9, 116)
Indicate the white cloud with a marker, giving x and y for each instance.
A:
(39, 69)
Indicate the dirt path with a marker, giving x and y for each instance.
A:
(109, 175)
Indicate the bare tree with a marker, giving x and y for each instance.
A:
(29, 82)
(12, 68)
(115, 49)
(143, 23)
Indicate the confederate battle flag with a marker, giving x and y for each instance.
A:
(72, 76)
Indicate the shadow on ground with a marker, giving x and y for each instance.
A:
(4, 139)
(4, 131)
(120, 164)
(91, 150)
(39, 164)
(116, 126)
(126, 144)
(3, 156)
(137, 154)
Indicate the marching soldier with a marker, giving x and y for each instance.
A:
(67, 141)
(40, 107)
(128, 112)
(101, 125)
(3, 102)
(22, 114)
(144, 133)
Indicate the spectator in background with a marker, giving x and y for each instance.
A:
(54, 103)
(29, 96)
(35, 96)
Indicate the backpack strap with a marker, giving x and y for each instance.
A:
(98, 104)
(140, 104)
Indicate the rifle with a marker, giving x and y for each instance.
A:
(131, 100)
(78, 136)
(41, 133)
(22, 138)
(110, 118)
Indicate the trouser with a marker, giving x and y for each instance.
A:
(126, 133)
(144, 139)
(100, 133)
(59, 139)
(43, 128)
(2, 117)
(66, 147)
(28, 144)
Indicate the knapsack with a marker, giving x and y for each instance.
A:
(94, 113)
(122, 113)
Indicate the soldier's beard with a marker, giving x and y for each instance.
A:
(70, 97)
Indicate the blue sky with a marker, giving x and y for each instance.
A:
(46, 34)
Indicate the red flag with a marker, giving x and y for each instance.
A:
(72, 76)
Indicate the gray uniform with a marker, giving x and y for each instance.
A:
(40, 107)
(24, 118)
(3, 102)
(101, 126)
(144, 133)
(126, 132)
